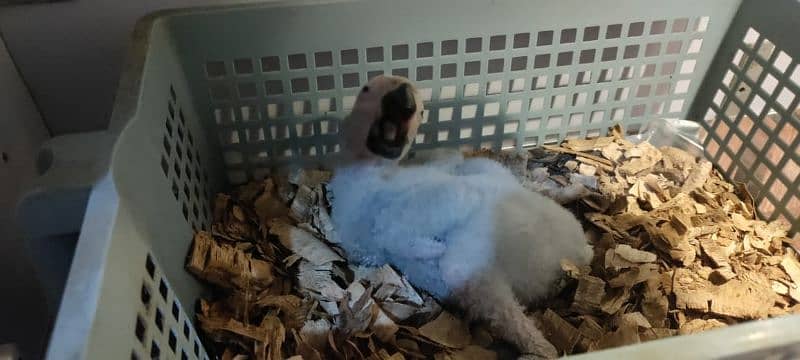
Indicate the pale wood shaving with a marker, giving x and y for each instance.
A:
(224, 265)
(315, 333)
(447, 330)
(699, 325)
(697, 177)
(561, 333)
(383, 327)
(634, 255)
(634, 276)
(656, 333)
(309, 177)
(790, 264)
(639, 158)
(633, 319)
(589, 294)
(471, 352)
(303, 243)
(625, 335)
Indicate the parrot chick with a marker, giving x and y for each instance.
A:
(464, 230)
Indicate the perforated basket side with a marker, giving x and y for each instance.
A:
(274, 82)
(128, 294)
(166, 173)
(749, 107)
(218, 96)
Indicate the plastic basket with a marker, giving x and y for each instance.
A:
(214, 97)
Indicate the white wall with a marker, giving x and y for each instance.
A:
(70, 53)
(23, 312)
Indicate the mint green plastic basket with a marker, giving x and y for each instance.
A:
(214, 97)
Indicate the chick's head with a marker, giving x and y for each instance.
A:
(384, 120)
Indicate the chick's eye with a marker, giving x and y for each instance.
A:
(365, 89)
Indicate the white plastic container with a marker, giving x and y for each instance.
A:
(214, 97)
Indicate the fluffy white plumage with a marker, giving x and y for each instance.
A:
(461, 229)
(445, 223)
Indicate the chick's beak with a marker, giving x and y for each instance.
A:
(388, 135)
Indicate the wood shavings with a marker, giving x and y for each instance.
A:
(316, 332)
(721, 275)
(399, 311)
(639, 158)
(640, 190)
(321, 221)
(272, 342)
(409, 347)
(234, 224)
(633, 319)
(572, 270)
(614, 300)
(317, 282)
(612, 152)
(780, 288)
(383, 327)
(303, 243)
(715, 252)
(593, 162)
(393, 286)
(268, 205)
(275, 270)
(589, 294)
(699, 325)
(471, 352)
(224, 265)
(633, 255)
(586, 156)
(218, 324)
(634, 276)
(656, 333)
(561, 333)
(571, 165)
(678, 250)
(625, 335)
(303, 202)
(749, 297)
(667, 226)
(698, 176)
(286, 190)
(229, 355)
(309, 177)
(794, 293)
(590, 329)
(655, 305)
(791, 266)
(588, 144)
(669, 240)
(481, 335)
(292, 310)
(355, 315)
(447, 330)
(678, 158)
(587, 170)
(588, 181)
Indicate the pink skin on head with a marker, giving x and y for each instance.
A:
(368, 109)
